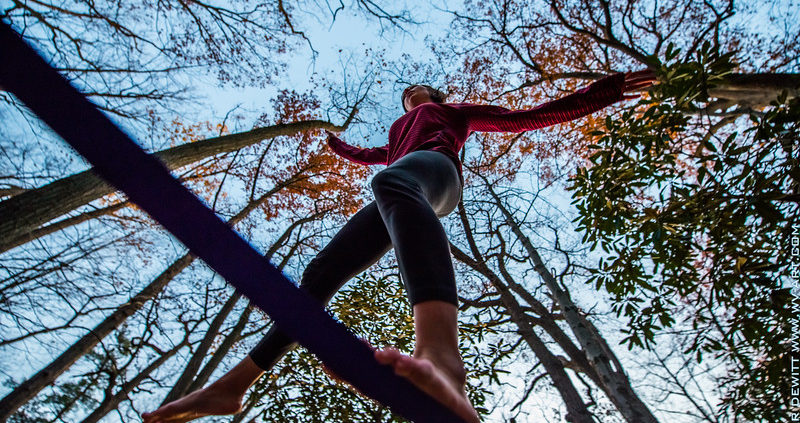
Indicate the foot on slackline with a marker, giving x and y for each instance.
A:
(209, 401)
(440, 376)
(222, 397)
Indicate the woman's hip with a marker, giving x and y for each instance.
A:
(432, 172)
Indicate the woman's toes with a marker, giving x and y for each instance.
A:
(388, 355)
(403, 367)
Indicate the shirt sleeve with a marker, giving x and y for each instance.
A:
(601, 93)
(365, 156)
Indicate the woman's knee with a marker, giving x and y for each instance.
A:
(313, 279)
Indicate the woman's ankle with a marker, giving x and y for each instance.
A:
(447, 360)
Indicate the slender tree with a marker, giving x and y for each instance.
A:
(23, 214)
(291, 179)
(576, 408)
(690, 191)
(29, 388)
(601, 358)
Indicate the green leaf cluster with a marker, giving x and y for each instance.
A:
(697, 226)
(376, 309)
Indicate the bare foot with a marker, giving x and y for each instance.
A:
(210, 401)
(443, 378)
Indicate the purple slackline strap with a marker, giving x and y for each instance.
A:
(146, 182)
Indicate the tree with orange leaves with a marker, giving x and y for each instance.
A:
(295, 187)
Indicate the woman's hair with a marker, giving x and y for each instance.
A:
(436, 95)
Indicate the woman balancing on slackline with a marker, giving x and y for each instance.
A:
(422, 183)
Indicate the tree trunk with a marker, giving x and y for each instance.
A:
(753, 91)
(189, 379)
(181, 386)
(29, 388)
(223, 349)
(62, 224)
(614, 382)
(547, 322)
(576, 408)
(24, 213)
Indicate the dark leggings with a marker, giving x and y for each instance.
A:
(410, 197)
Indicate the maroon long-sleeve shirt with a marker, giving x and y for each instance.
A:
(445, 127)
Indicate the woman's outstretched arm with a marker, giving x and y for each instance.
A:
(366, 156)
(588, 100)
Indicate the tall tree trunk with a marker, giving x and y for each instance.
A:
(614, 382)
(24, 213)
(223, 349)
(193, 365)
(547, 322)
(63, 224)
(753, 91)
(187, 382)
(29, 388)
(576, 408)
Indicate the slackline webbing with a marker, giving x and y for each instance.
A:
(146, 182)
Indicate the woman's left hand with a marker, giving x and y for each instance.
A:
(638, 81)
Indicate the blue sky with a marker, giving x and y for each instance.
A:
(351, 35)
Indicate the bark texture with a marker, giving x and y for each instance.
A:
(753, 91)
